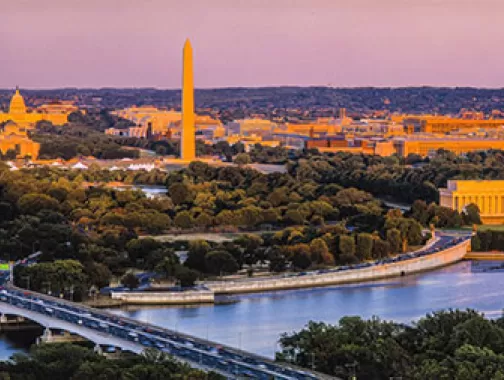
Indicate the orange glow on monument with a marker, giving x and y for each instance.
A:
(188, 138)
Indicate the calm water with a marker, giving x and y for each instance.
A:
(257, 320)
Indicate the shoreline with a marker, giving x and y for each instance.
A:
(440, 259)
(221, 289)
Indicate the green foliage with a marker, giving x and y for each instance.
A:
(346, 245)
(220, 262)
(395, 240)
(453, 344)
(34, 203)
(488, 240)
(242, 159)
(63, 361)
(364, 246)
(130, 281)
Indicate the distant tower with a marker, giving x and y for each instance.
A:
(342, 113)
(188, 138)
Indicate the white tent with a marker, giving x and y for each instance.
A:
(79, 165)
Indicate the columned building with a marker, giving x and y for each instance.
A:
(56, 112)
(488, 195)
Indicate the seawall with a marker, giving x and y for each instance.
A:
(164, 298)
(415, 265)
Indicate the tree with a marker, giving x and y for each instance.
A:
(33, 203)
(180, 193)
(278, 262)
(299, 255)
(242, 159)
(395, 240)
(98, 274)
(471, 215)
(130, 281)
(187, 277)
(217, 262)
(139, 249)
(364, 246)
(204, 220)
(319, 252)
(184, 220)
(381, 249)
(294, 217)
(346, 245)
(196, 255)
(168, 266)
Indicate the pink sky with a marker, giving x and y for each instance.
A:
(138, 43)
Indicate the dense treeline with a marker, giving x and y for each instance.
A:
(402, 180)
(317, 224)
(453, 344)
(62, 361)
(82, 136)
(488, 240)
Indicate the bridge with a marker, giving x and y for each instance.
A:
(108, 330)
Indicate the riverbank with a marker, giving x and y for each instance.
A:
(189, 297)
(425, 263)
(422, 262)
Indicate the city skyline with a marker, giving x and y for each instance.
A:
(340, 44)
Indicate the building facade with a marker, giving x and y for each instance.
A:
(488, 195)
(429, 146)
(57, 113)
(15, 138)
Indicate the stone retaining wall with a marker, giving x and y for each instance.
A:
(448, 256)
(164, 298)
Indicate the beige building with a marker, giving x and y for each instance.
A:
(15, 138)
(57, 113)
(488, 195)
(426, 146)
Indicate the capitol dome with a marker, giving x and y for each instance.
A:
(17, 104)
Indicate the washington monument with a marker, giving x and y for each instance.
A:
(188, 139)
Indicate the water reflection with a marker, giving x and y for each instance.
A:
(256, 322)
(260, 318)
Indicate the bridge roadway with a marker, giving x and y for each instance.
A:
(106, 329)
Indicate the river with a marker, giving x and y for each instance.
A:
(256, 321)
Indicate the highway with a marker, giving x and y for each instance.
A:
(444, 240)
(200, 353)
(128, 333)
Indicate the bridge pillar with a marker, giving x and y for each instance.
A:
(46, 337)
(98, 349)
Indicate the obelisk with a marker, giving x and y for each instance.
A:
(188, 138)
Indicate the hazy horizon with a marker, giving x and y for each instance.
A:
(240, 43)
(244, 87)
